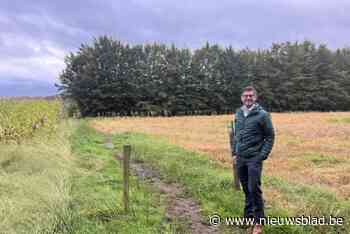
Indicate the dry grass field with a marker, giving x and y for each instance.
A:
(310, 148)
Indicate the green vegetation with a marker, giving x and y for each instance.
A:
(321, 159)
(70, 183)
(34, 183)
(340, 120)
(20, 119)
(97, 193)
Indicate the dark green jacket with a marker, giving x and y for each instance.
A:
(253, 135)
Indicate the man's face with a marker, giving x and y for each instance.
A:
(248, 98)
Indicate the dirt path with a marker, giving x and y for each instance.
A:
(179, 208)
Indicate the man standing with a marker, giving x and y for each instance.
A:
(252, 143)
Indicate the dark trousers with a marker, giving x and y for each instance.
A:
(249, 174)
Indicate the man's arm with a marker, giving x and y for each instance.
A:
(269, 137)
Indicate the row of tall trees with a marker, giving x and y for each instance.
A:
(109, 76)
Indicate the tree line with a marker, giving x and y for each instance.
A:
(109, 77)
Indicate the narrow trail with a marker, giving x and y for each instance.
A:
(178, 207)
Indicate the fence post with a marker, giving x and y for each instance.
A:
(236, 183)
(126, 163)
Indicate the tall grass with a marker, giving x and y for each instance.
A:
(34, 183)
(20, 119)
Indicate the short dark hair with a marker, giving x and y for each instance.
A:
(250, 88)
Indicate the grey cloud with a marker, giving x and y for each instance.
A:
(40, 31)
(24, 87)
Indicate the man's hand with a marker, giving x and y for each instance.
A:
(234, 158)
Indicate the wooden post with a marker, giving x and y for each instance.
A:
(236, 183)
(126, 163)
(235, 176)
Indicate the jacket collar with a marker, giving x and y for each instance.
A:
(255, 110)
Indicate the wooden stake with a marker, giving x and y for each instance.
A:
(126, 163)
(236, 183)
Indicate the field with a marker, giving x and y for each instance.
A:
(311, 149)
(58, 176)
(20, 119)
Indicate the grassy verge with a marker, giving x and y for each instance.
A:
(70, 183)
(97, 193)
(34, 183)
(210, 184)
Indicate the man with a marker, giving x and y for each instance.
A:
(252, 143)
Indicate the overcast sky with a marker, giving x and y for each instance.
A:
(36, 35)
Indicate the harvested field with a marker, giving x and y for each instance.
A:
(310, 148)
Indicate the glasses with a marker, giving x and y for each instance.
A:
(250, 95)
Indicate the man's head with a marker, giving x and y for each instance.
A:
(249, 96)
